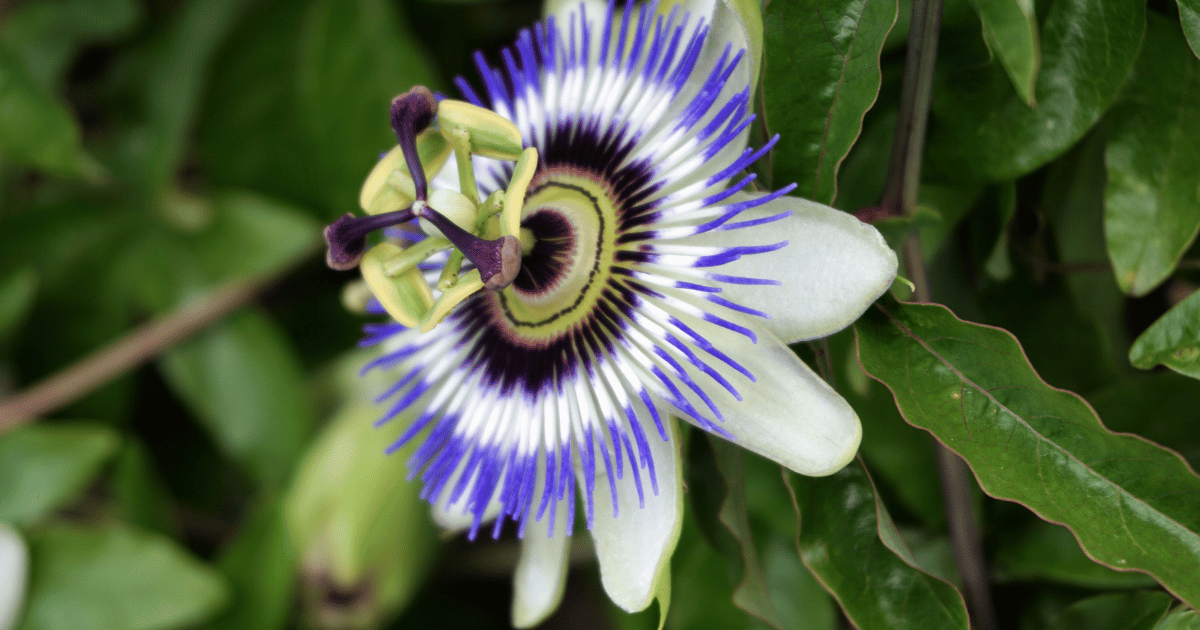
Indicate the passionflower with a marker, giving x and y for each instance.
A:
(593, 263)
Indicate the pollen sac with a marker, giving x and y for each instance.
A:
(492, 135)
(390, 186)
(407, 296)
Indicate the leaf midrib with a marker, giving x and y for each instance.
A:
(1121, 490)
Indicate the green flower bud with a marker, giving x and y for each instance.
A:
(359, 527)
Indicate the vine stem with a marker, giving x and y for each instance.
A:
(138, 346)
(900, 198)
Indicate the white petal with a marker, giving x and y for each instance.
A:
(14, 568)
(634, 549)
(789, 414)
(833, 267)
(561, 9)
(455, 517)
(740, 30)
(541, 572)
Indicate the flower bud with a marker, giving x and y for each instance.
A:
(359, 527)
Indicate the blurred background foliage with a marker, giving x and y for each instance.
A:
(154, 154)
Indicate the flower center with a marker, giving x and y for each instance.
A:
(573, 221)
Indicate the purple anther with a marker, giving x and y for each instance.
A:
(347, 237)
(412, 113)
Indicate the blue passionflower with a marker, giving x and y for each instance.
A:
(653, 283)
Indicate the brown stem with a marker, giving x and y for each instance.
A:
(140, 345)
(900, 197)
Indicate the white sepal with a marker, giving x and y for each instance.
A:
(541, 573)
(14, 572)
(833, 267)
(634, 549)
(787, 413)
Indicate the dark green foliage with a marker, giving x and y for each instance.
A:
(154, 153)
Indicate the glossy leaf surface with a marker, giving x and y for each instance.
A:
(1129, 502)
(821, 75)
(1173, 340)
(1189, 16)
(981, 129)
(1011, 31)
(1152, 201)
(1181, 619)
(848, 540)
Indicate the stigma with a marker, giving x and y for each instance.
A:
(484, 237)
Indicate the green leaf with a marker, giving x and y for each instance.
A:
(745, 511)
(849, 542)
(44, 466)
(1128, 501)
(1180, 619)
(981, 130)
(1010, 30)
(139, 493)
(353, 58)
(1189, 16)
(863, 174)
(233, 236)
(357, 522)
(36, 129)
(115, 577)
(701, 586)
(1173, 340)
(244, 382)
(47, 34)
(1117, 611)
(716, 473)
(1057, 338)
(1074, 199)
(260, 566)
(180, 63)
(1046, 552)
(17, 291)
(300, 98)
(821, 75)
(1160, 406)
(900, 457)
(252, 235)
(1152, 202)
(250, 136)
(997, 265)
